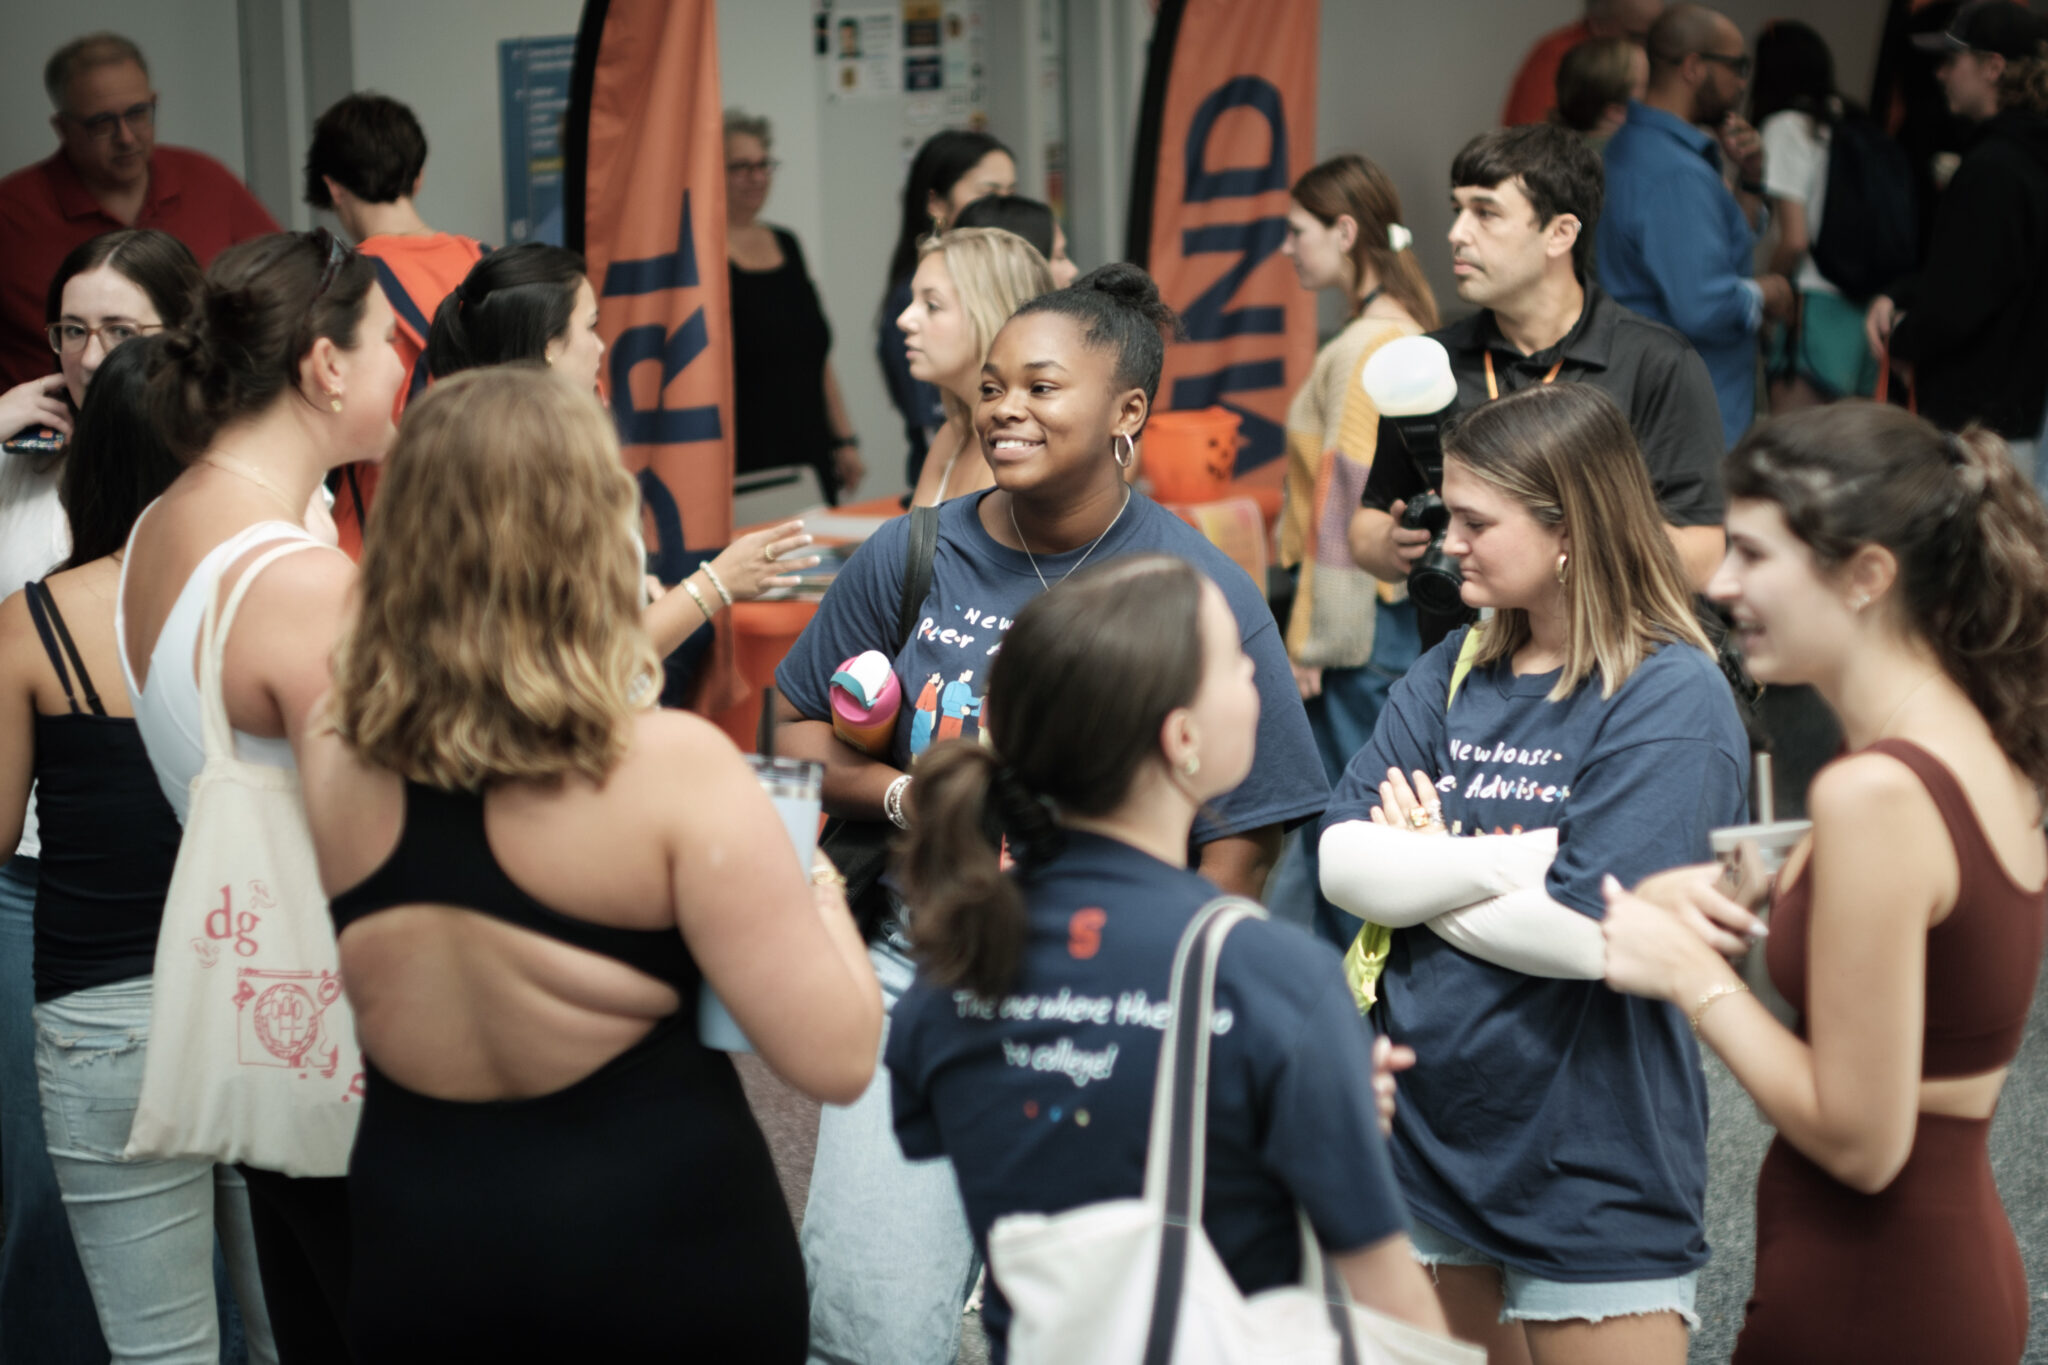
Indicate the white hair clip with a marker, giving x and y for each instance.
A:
(1399, 238)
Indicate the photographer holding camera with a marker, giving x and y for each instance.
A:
(1527, 200)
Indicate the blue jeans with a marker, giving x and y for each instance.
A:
(46, 1313)
(1342, 720)
(885, 1240)
(1529, 1298)
(144, 1229)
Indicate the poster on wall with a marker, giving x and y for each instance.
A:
(861, 49)
(533, 102)
(1226, 126)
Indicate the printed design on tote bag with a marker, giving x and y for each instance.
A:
(281, 1018)
(228, 928)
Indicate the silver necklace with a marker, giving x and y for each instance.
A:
(1043, 585)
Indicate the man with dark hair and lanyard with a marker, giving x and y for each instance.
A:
(1526, 201)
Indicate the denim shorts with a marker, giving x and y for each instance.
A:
(1525, 1297)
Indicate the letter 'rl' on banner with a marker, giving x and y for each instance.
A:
(645, 184)
(1228, 125)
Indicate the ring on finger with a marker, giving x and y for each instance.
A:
(768, 553)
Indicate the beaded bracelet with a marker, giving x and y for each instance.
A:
(892, 802)
(698, 598)
(716, 582)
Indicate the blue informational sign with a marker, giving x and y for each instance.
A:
(533, 96)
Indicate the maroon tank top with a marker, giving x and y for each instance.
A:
(1982, 961)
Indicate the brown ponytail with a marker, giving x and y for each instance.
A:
(264, 303)
(1086, 678)
(1352, 184)
(1966, 526)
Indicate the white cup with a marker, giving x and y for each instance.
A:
(796, 786)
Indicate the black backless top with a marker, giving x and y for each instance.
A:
(444, 858)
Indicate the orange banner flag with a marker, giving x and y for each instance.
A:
(646, 112)
(1227, 126)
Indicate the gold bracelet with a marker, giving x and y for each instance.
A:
(698, 598)
(1713, 996)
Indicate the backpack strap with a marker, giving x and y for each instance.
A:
(409, 313)
(1468, 654)
(917, 570)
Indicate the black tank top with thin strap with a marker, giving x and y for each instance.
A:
(444, 857)
(109, 838)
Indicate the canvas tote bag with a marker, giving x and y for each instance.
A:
(252, 1048)
(1136, 1280)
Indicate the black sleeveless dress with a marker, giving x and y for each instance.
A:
(633, 1215)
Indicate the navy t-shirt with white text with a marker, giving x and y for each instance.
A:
(1043, 1099)
(978, 588)
(1555, 1125)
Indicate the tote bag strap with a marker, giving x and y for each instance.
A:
(215, 732)
(1180, 1110)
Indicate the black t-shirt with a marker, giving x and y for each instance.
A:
(780, 342)
(1652, 372)
(1043, 1099)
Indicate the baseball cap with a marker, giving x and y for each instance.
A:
(2005, 27)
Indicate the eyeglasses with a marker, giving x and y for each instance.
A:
(1738, 64)
(71, 338)
(139, 117)
(766, 166)
(337, 256)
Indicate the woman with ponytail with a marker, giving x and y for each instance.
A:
(1064, 393)
(1348, 638)
(1899, 571)
(286, 372)
(1120, 707)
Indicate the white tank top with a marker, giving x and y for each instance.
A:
(167, 709)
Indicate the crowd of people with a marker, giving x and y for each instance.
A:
(343, 518)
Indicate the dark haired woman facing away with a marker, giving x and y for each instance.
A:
(144, 1228)
(1065, 391)
(1119, 707)
(1899, 571)
(286, 373)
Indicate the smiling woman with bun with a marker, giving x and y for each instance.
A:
(1067, 386)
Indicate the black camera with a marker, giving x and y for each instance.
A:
(1434, 581)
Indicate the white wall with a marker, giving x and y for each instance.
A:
(441, 58)
(192, 49)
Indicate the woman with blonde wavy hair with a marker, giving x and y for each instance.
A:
(534, 876)
(1585, 729)
(968, 282)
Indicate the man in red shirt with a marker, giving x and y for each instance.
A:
(108, 173)
(1535, 89)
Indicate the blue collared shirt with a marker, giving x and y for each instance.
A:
(1674, 245)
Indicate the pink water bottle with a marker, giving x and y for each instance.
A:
(865, 700)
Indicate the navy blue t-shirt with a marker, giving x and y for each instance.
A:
(1555, 1125)
(1043, 1099)
(979, 586)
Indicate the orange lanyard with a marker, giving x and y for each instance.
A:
(1493, 385)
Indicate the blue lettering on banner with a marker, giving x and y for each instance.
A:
(1239, 182)
(654, 275)
(1208, 317)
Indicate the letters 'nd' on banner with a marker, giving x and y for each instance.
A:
(644, 199)
(1227, 126)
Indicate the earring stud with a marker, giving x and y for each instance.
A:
(1192, 766)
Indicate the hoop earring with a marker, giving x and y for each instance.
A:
(1561, 561)
(1129, 453)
